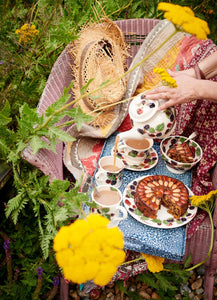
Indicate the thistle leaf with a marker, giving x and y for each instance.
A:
(29, 114)
(16, 212)
(59, 103)
(104, 83)
(25, 128)
(85, 87)
(15, 205)
(188, 261)
(164, 282)
(20, 146)
(59, 185)
(61, 215)
(53, 144)
(5, 114)
(79, 117)
(4, 149)
(37, 143)
(60, 134)
(45, 244)
(148, 278)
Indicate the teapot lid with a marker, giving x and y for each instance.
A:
(142, 109)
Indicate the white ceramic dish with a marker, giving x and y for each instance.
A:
(164, 219)
(175, 166)
(149, 162)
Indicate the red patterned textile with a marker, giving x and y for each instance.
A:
(199, 115)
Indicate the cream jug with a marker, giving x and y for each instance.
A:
(147, 120)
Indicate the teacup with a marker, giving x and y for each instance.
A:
(110, 171)
(135, 151)
(108, 199)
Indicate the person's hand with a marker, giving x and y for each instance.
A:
(185, 92)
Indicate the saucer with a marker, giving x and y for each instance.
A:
(149, 162)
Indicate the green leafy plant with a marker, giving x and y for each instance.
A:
(165, 283)
(32, 129)
(45, 205)
(34, 208)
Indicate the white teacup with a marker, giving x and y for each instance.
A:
(110, 171)
(135, 151)
(108, 199)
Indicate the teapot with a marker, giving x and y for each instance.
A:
(147, 120)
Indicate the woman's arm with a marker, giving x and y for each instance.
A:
(209, 66)
(189, 88)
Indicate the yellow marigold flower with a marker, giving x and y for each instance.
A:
(184, 17)
(201, 200)
(155, 263)
(89, 250)
(165, 77)
(104, 274)
(26, 33)
(69, 235)
(114, 238)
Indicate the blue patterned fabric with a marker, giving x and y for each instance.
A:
(167, 243)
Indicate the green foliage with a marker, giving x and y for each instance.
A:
(37, 208)
(26, 258)
(48, 206)
(166, 282)
(132, 295)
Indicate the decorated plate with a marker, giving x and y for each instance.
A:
(150, 161)
(164, 219)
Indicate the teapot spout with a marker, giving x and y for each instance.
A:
(130, 134)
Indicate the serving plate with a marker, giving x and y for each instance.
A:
(163, 219)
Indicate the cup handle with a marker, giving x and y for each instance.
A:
(115, 220)
(124, 212)
(99, 177)
(121, 146)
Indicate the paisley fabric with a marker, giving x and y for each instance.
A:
(199, 115)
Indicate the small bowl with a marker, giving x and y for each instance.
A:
(176, 166)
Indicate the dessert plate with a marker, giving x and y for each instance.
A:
(164, 219)
(150, 161)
